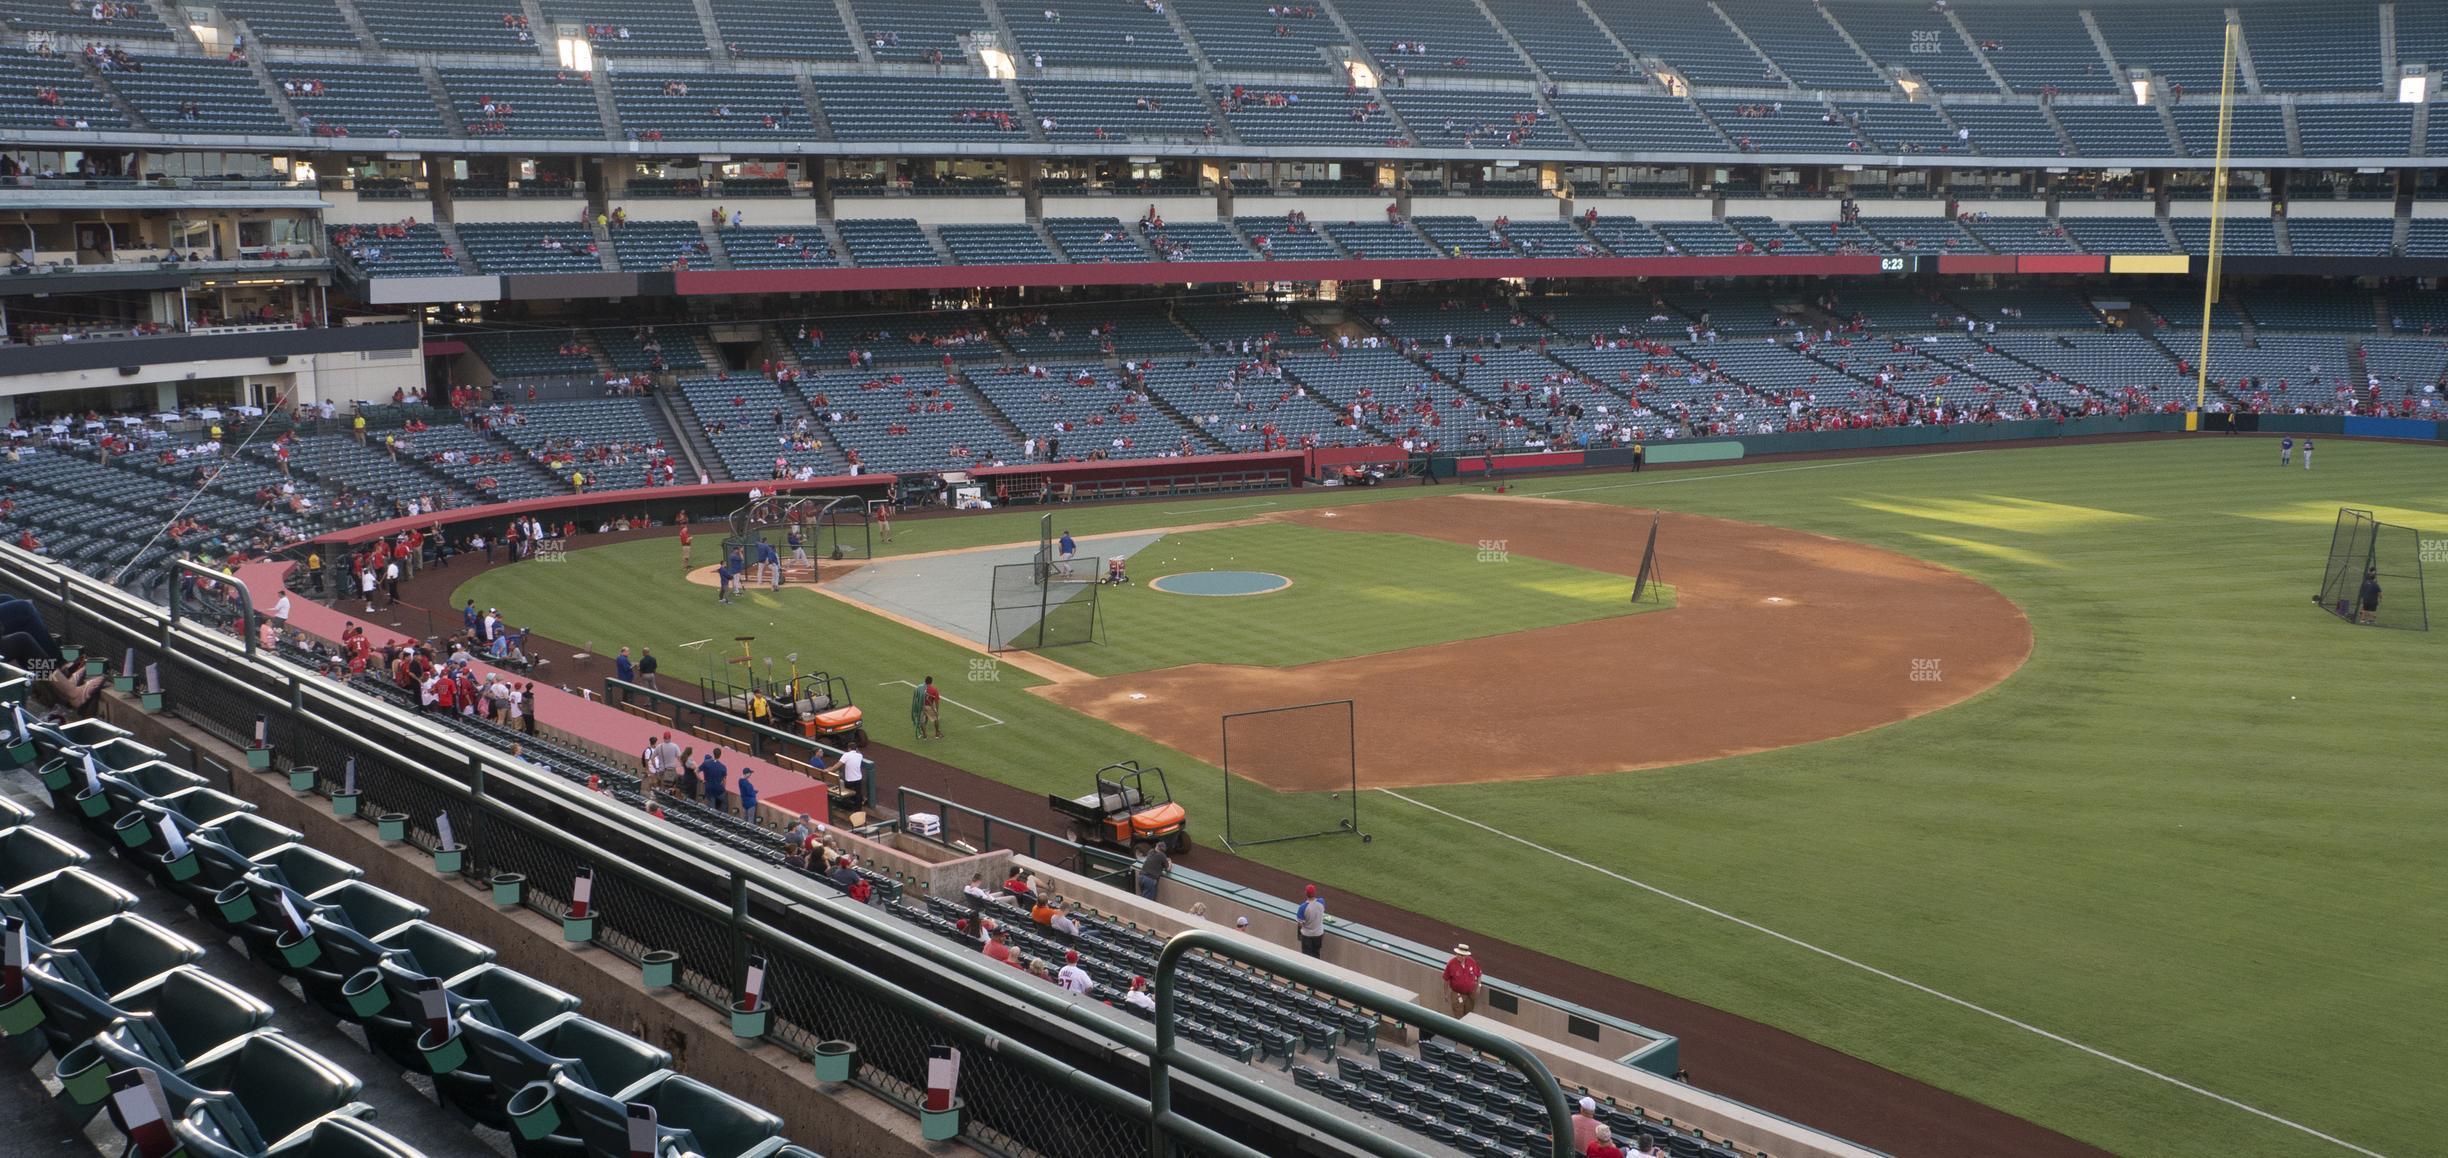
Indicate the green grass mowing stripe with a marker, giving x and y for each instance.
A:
(2139, 841)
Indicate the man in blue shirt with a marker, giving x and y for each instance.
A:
(747, 793)
(469, 617)
(1064, 549)
(771, 560)
(622, 669)
(710, 773)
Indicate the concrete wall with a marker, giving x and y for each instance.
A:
(558, 210)
(755, 210)
(1128, 209)
(1321, 210)
(1901, 208)
(1488, 208)
(2112, 209)
(1649, 208)
(933, 210)
(2033, 207)
(347, 209)
(2355, 210)
(342, 377)
(2231, 211)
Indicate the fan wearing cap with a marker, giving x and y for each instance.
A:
(1072, 977)
(1310, 923)
(1139, 995)
(997, 947)
(1603, 1144)
(1462, 981)
(1585, 1124)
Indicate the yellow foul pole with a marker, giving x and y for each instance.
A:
(2218, 213)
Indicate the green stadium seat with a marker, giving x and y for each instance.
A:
(125, 949)
(71, 898)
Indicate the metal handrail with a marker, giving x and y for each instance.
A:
(1168, 1055)
(247, 616)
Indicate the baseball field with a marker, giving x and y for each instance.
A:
(2034, 774)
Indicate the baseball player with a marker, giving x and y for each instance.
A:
(2286, 451)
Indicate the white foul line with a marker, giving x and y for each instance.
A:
(1878, 972)
(948, 700)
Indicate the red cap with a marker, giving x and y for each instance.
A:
(1313, 890)
(1070, 956)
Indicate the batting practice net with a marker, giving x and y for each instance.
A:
(1291, 773)
(1038, 604)
(2375, 573)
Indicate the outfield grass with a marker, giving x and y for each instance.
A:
(1352, 594)
(2203, 830)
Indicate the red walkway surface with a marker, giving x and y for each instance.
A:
(575, 715)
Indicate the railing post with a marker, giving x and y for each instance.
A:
(739, 928)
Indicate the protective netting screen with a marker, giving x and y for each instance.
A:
(1044, 605)
(1290, 772)
(2374, 574)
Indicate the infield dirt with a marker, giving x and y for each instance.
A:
(1777, 638)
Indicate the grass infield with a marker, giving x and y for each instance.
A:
(2202, 830)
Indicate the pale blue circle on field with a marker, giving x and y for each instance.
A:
(1220, 583)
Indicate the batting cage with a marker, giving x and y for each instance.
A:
(2374, 574)
(1040, 604)
(1291, 773)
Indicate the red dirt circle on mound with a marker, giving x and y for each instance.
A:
(1777, 638)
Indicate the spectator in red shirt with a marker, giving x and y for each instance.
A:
(997, 949)
(1462, 981)
(1604, 1146)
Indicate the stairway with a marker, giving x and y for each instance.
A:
(459, 253)
(441, 98)
(604, 110)
(605, 255)
(110, 93)
(713, 32)
(971, 395)
(1753, 45)
(1972, 46)
(358, 27)
(2099, 40)
(2244, 62)
(263, 78)
(1506, 34)
(1846, 35)
(682, 431)
(858, 36)
(718, 257)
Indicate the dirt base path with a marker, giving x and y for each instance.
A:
(1777, 638)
